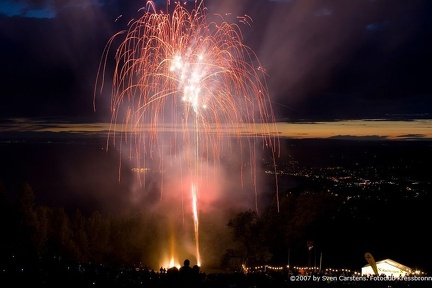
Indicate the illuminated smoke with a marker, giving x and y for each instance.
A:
(182, 90)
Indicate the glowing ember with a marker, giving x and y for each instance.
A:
(195, 216)
(172, 263)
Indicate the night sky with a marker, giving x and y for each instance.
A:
(326, 60)
(341, 69)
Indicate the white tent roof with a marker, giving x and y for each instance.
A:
(388, 263)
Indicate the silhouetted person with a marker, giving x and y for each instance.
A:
(196, 277)
(172, 276)
(186, 274)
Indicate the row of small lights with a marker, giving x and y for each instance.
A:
(299, 268)
(327, 270)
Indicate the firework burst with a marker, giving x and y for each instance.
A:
(178, 73)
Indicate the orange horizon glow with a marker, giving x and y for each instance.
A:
(384, 129)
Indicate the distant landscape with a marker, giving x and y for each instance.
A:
(347, 197)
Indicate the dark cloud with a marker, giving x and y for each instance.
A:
(415, 137)
(51, 64)
(359, 138)
(349, 56)
(42, 8)
(37, 9)
(325, 59)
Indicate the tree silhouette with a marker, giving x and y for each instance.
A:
(250, 247)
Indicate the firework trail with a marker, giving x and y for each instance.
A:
(175, 72)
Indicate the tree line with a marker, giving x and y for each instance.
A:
(37, 230)
(40, 231)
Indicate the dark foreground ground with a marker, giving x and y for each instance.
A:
(89, 275)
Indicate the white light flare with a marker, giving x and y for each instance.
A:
(194, 192)
(189, 76)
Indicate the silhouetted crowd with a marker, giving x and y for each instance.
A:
(57, 273)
